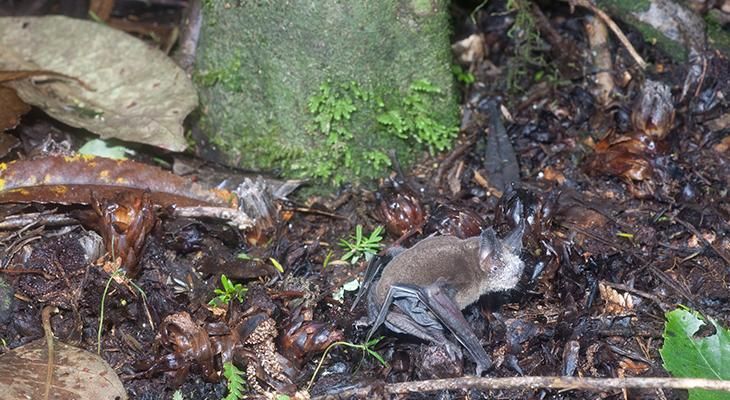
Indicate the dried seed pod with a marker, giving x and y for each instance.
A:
(124, 222)
(399, 209)
(302, 338)
(653, 113)
(446, 219)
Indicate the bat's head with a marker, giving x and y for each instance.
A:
(500, 259)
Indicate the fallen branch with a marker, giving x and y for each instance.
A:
(613, 27)
(535, 382)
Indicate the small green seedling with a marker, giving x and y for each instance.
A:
(465, 77)
(229, 292)
(276, 265)
(360, 246)
(367, 348)
(236, 381)
(327, 259)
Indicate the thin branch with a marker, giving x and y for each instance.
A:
(535, 382)
(614, 28)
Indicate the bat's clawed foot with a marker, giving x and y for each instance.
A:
(453, 351)
(483, 366)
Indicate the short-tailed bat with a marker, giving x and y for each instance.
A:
(424, 288)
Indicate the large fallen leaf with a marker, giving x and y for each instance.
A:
(49, 369)
(72, 180)
(688, 354)
(138, 94)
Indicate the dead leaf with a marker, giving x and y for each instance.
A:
(616, 303)
(71, 180)
(101, 8)
(500, 158)
(7, 144)
(11, 108)
(50, 369)
(139, 94)
(723, 145)
(552, 174)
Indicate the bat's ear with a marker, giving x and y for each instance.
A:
(488, 244)
(513, 241)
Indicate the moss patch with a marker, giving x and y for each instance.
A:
(262, 67)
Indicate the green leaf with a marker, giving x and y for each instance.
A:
(688, 356)
(236, 382)
(98, 147)
(227, 284)
(276, 265)
(177, 395)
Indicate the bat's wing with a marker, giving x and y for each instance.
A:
(436, 299)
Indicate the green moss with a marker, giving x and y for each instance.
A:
(337, 110)
(717, 36)
(261, 70)
(632, 6)
(422, 7)
(228, 75)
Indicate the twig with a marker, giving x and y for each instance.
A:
(614, 28)
(18, 221)
(232, 216)
(535, 382)
(602, 62)
(456, 153)
(190, 33)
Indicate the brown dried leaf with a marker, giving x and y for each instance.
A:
(301, 339)
(74, 373)
(124, 223)
(7, 144)
(72, 180)
(616, 303)
(625, 157)
(101, 8)
(11, 108)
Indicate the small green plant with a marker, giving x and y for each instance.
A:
(327, 258)
(276, 265)
(412, 119)
(360, 245)
(527, 44)
(236, 382)
(228, 75)
(229, 292)
(403, 117)
(178, 395)
(689, 355)
(332, 108)
(367, 349)
(465, 77)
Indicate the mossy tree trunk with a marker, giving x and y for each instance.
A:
(324, 89)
